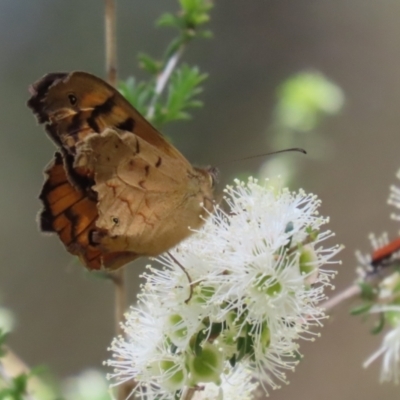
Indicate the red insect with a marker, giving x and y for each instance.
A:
(385, 252)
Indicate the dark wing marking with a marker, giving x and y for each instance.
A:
(71, 214)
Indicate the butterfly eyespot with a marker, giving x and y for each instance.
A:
(115, 220)
(72, 99)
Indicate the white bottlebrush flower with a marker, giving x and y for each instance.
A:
(390, 347)
(385, 294)
(147, 356)
(238, 385)
(382, 297)
(236, 294)
(384, 252)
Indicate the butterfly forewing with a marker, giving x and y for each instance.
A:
(73, 105)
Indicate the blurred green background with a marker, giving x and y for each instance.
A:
(64, 318)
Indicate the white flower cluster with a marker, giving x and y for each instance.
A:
(390, 347)
(232, 299)
(386, 294)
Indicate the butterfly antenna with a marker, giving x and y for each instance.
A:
(297, 149)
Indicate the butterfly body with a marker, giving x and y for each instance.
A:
(116, 190)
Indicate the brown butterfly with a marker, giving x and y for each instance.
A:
(116, 189)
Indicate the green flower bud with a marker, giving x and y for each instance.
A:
(265, 337)
(203, 294)
(268, 285)
(393, 318)
(173, 376)
(208, 366)
(177, 329)
(307, 266)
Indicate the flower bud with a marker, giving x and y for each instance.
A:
(208, 366)
(173, 375)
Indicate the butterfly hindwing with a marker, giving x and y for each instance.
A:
(72, 214)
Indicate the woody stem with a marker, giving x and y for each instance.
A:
(118, 277)
(187, 393)
(373, 278)
(347, 294)
(111, 66)
(111, 41)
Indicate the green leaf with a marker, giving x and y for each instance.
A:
(184, 86)
(193, 5)
(195, 12)
(198, 349)
(3, 338)
(149, 64)
(7, 394)
(169, 20)
(20, 383)
(367, 291)
(245, 344)
(205, 34)
(241, 347)
(396, 289)
(362, 309)
(379, 325)
(312, 233)
(184, 83)
(173, 47)
(232, 361)
(187, 5)
(216, 329)
(16, 389)
(396, 266)
(138, 94)
(297, 356)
